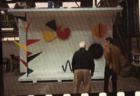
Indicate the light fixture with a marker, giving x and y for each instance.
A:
(11, 5)
(7, 29)
(2, 12)
(16, 38)
(41, 4)
(120, 94)
(4, 39)
(71, 4)
(10, 38)
(8, 0)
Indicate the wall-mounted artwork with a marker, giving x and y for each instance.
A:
(71, 27)
(32, 57)
(52, 25)
(25, 47)
(21, 45)
(48, 35)
(99, 30)
(63, 34)
(65, 67)
(96, 50)
(29, 53)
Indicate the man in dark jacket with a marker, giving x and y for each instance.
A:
(82, 63)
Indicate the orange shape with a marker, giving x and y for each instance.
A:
(99, 30)
(48, 35)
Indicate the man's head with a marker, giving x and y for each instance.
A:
(109, 40)
(82, 44)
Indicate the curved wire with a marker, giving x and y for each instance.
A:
(64, 69)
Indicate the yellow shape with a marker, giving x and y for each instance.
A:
(25, 24)
(48, 35)
(21, 45)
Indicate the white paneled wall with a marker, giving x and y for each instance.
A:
(57, 51)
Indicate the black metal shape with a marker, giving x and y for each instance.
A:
(76, 3)
(32, 57)
(29, 71)
(52, 24)
(64, 69)
(96, 50)
(56, 5)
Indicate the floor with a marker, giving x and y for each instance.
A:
(13, 87)
(45, 75)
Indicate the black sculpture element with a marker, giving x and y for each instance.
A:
(52, 25)
(96, 50)
(32, 57)
(29, 71)
(64, 69)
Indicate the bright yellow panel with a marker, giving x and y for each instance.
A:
(48, 35)
(21, 45)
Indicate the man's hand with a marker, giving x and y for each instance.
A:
(92, 74)
(107, 63)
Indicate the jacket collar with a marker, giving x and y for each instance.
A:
(82, 49)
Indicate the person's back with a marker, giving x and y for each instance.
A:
(116, 58)
(82, 63)
(112, 56)
(82, 60)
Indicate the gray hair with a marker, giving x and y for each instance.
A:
(82, 44)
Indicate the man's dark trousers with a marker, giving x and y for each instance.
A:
(108, 73)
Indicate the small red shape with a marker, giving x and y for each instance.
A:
(23, 62)
(29, 53)
(63, 34)
(30, 41)
(28, 26)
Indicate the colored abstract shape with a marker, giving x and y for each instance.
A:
(52, 25)
(28, 26)
(96, 50)
(31, 41)
(23, 61)
(32, 57)
(48, 35)
(99, 30)
(21, 45)
(29, 53)
(63, 34)
(29, 71)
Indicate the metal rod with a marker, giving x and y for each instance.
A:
(16, 22)
(76, 3)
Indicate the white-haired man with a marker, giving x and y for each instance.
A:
(82, 63)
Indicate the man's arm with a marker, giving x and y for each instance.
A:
(73, 62)
(93, 68)
(107, 54)
(92, 64)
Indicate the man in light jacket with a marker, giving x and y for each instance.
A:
(112, 56)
